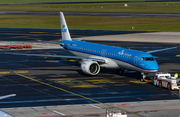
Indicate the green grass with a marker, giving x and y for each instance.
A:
(91, 22)
(35, 1)
(142, 7)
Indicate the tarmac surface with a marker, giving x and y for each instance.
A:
(52, 87)
(166, 15)
(125, 1)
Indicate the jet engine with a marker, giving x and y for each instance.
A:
(90, 67)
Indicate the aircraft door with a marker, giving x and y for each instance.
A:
(135, 60)
(103, 52)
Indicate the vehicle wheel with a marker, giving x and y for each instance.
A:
(154, 83)
(160, 84)
(169, 86)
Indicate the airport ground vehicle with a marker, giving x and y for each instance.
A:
(164, 79)
(8, 47)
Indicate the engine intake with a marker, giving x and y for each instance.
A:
(90, 67)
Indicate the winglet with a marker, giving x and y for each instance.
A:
(64, 28)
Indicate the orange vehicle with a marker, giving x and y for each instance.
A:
(15, 46)
(27, 46)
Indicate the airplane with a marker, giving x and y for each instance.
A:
(94, 56)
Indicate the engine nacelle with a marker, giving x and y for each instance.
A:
(90, 67)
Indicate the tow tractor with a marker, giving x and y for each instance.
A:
(164, 79)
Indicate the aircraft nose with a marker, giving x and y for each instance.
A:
(153, 66)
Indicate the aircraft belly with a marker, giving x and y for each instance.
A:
(79, 53)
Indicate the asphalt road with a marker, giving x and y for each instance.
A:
(125, 1)
(165, 15)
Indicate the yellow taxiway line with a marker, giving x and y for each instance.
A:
(77, 94)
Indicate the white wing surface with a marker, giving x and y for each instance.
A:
(59, 56)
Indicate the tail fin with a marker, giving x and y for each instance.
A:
(64, 29)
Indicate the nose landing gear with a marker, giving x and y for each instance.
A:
(143, 76)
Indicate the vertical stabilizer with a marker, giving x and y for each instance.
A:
(64, 29)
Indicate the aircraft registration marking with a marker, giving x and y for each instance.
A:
(84, 82)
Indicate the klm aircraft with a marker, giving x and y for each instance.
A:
(94, 56)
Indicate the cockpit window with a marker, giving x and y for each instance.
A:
(147, 59)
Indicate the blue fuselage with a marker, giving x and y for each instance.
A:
(121, 57)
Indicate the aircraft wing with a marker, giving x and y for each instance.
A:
(49, 42)
(59, 56)
(4, 114)
(154, 51)
(7, 96)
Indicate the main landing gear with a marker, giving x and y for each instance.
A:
(118, 70)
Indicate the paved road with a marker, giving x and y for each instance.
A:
(125, 1)
(175, 15)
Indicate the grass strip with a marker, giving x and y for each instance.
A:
(140, 7)
(91, 22)
(36, 1)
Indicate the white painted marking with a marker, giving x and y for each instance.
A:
(95, 106)
(58, 112)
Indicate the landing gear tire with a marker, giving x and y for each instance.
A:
(118, 70)
(160, 84)
(142, 80)
(122, 71)
(143, 77)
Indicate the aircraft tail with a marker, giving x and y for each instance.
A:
(64, 29)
